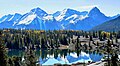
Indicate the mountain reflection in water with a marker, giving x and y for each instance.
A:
(50, 57)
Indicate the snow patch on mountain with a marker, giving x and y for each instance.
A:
(73, 16)
(11, 18)
(61, 16)
(62, 25)
(49, 17)
(83, 17)
(14, 23)
(4, 19)
(28, 19)
(71, 21)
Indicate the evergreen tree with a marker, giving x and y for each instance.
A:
(108, 50)
(30, 59)
(116, 40)
(3, 56)
(91, 39)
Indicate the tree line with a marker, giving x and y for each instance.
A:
(22, 39)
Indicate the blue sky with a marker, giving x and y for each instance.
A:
(108, 7)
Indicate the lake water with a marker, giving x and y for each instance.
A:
(50, 57)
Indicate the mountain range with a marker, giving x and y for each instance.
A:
(67, 19)
(112, 25)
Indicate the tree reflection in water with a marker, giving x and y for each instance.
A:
(62, 56)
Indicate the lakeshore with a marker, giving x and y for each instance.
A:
(60, 46)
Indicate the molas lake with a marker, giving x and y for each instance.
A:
(51, 57)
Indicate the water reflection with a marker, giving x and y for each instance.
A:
(50, 57)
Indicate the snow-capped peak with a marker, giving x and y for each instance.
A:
(38, 11)
(30, 16)
(68, 14)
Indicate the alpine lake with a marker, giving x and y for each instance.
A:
(60, 56)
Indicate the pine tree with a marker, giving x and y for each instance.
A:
(108, 50)
(91, 39)
(30, 59)
(116, 40)
(3, 56)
